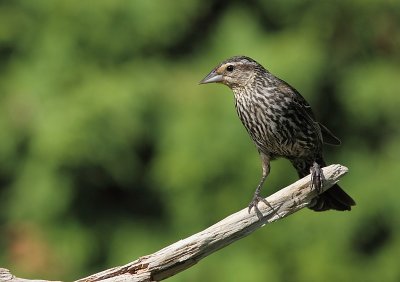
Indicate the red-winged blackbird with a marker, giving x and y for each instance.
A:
(281, 124)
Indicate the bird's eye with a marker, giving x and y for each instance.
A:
(229, 68)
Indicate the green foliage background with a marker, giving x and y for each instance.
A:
(109, 149)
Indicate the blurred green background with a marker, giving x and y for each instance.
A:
(110, 149)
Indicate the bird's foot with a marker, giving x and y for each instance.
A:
(254, 202)
(317, 177)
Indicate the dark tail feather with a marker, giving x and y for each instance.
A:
(332, 199)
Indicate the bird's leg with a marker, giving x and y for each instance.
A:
(257, 194)
(317, 177)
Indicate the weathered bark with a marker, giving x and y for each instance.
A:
(187, 252)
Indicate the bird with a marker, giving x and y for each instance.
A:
(281, 124)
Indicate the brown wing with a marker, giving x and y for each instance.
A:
(326, 135)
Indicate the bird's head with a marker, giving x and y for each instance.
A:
(234, 72)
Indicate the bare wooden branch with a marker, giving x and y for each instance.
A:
(187, 252)
(6, 276)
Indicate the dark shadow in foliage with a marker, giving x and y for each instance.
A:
(204, 26)
(6, 52)
(7, 173)
(326, 103)
(372, 235)
(101, 201)
(201, 27)
(101, 196)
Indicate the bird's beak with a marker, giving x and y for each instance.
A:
(212, 77)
